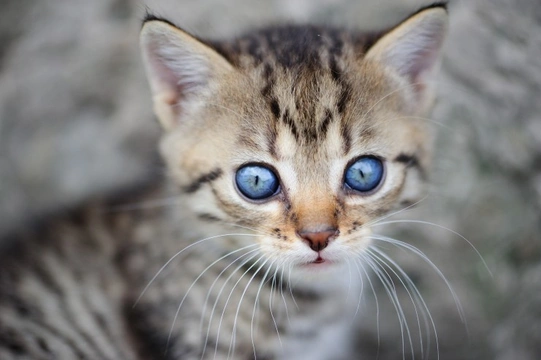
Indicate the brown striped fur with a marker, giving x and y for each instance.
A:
(306, 101)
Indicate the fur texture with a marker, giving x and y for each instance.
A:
(213, 274)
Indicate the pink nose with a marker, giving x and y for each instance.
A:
(318, 240)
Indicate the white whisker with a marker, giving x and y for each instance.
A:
(249, 228)
(402, 88)
(233, 338)
(271, 297)
(383, 264)
(255, 306)
(444, 228)
(244, 262)
(385, 261)
(195, 281)
(425, 258)
(291, 287)
(419, 298)
(282, 293)
(208, 295)
(390, 288)
(227, 302)
(380, 219)
(176, 255)
(236, 113)
(350, 279)
(360, 292)
(360, 262)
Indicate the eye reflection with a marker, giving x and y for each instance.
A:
(365, 174)
(256, 182)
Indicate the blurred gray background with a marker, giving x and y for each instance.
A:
(75, 120)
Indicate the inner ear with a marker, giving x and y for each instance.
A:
(412, 50)
(181, 70)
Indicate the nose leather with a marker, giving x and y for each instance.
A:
(318, 240)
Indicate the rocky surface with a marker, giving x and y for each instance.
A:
(75, 120)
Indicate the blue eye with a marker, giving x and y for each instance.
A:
(256, 182)
(365, 174)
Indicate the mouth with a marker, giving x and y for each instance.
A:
(319, 262)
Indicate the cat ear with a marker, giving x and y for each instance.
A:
(182, 70)
(412, 51)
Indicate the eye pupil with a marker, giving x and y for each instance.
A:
(256, 182)
(365, 174)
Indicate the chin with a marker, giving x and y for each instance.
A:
(320, 272)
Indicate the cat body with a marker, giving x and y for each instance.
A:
(283, 146)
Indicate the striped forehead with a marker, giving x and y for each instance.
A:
(304, 91)
(302, 79)
(306, 107)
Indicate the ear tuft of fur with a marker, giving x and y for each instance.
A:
(181, 69)
(412, 50)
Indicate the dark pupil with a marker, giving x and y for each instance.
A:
(256, 182)
(365, 174)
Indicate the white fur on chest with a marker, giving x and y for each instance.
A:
(325, 332)
(333, 342)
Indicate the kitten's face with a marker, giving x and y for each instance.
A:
(308, 154)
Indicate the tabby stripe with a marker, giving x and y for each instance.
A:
(203, 179)
(63, 296)
(384, 201)
(266, 90)
(335, 71)
(14, 345)
(269, 81)
(275, 108)
(72, 344)
(267, 72)
(286, 118)
(325, 123)
(345, 89)
(254, 49)
(346, 137)
(245, 140)
(337, 45)
(92, 341)
(88, 329)
(343, 97)
(49, 282)
(103, 324)
(367, 132)
(411, 160)
(47, 279)
(231, 208)
(271, 144)
(208, 217)
(9, 338)
(106, 330)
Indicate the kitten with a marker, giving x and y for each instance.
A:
(283, 147)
